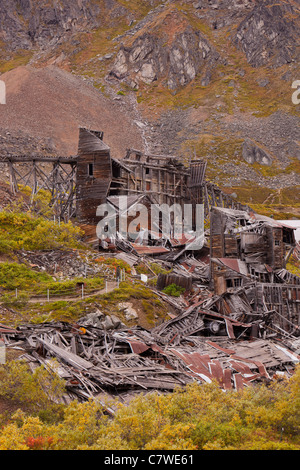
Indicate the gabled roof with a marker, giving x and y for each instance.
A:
(235, 264)
(91, 142)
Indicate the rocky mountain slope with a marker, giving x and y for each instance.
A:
(209, 78)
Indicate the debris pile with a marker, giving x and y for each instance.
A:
(238, 321)
(94, 361)
(64, 264)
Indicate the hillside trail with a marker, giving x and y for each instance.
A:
(111, 286)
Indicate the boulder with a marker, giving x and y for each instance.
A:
(253, 153)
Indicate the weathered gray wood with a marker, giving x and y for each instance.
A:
(72, 359)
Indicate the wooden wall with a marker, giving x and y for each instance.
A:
(93, 182)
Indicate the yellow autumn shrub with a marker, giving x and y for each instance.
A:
(198, 417)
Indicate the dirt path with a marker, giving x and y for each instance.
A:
(111, 286)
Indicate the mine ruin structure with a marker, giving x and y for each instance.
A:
(249, 253)
(79, 184)
(238, 320)
(145, 179)
(54, 174)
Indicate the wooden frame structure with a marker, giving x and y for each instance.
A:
(54, 174)
(79, 184)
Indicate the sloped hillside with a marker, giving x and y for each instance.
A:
(211, 79)
(46, 106)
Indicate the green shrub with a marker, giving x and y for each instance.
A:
(196, 417)
(174, 290)
(14, 275)
(20, 230)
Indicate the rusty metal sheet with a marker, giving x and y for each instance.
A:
(181, 240)
(240, 367)
(216, 371)
(252, 377)
(194, 363)
(217, 346)
(261, 368)
(156, 348)
(238, 382)
(227, 379)
(137, 347)
(229, 329)
(6, 329)
(149, 250)
(205, 359)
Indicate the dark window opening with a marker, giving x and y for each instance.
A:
(91, 169)
(116, 172)
(237, 282)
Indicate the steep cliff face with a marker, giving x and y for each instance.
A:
(27, 23)
(170, 40)
(187, 39)
(177, 63)
(269, 34)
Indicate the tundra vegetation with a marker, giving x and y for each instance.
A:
(199, 417)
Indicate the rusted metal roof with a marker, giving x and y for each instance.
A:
(6, 329)
(195, 363)
(149, 250)
(137, 347)
(181, 240)
(235, 264)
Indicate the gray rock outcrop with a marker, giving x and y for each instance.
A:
(269, 34)
(149, 59)
(253, 153)
(26, 23)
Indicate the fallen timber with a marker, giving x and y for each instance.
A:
(93, 361)
(238, 321)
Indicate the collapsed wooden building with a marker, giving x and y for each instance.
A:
(79, 184)
(250, 252)
(237, 285)
(136, 180)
